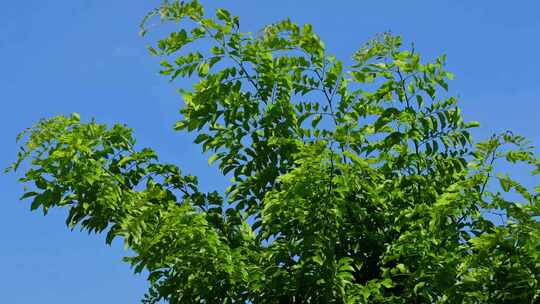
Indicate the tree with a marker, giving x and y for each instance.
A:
(355, 184)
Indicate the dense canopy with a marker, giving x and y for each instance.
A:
(349, 184)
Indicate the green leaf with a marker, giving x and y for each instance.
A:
(401, 268)
(36, 203)
(41, 183)
(28, 194)
(472, 124)
(223, 15)
(418, 286)
(203, 69)
(505, 182)
(124, 161)
(387, 283)
(316, 119)
(213, 158)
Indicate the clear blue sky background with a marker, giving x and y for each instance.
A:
(58, 57)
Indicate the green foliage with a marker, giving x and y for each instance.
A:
(355, 184)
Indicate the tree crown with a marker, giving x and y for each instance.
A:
(356, 184)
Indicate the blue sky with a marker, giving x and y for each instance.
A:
(58, 57)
